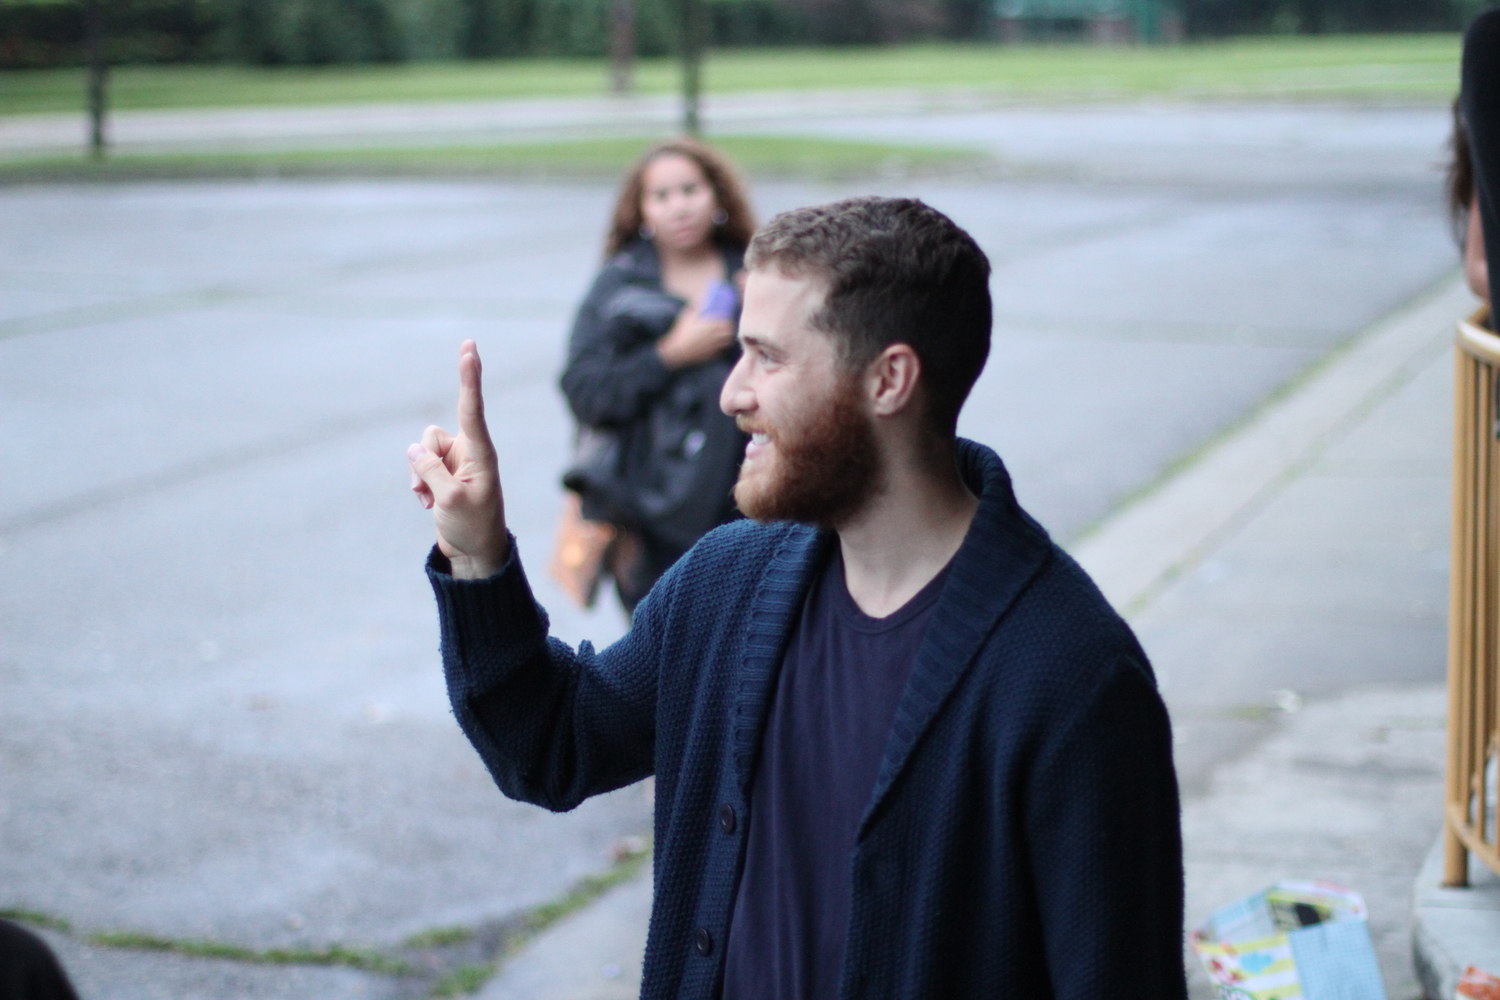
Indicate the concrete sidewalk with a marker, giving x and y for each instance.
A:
(1323, 515)
(1291, 588)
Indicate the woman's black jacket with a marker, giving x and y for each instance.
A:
(616, 382)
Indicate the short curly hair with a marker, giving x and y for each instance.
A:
(897, 271)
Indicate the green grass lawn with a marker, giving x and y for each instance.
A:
(1388, 67)
(758, 156)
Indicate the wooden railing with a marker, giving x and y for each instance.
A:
(1474, 607)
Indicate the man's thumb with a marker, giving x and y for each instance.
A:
(432, 471)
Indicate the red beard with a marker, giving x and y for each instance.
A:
(825, 469)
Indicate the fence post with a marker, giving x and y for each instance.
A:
(692, 63)
(621, 44)
(93, 26)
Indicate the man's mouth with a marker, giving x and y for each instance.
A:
(757, 443)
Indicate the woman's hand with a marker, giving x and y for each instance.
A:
(693, 339)
(458, 479)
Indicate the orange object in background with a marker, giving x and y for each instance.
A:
(578, 557)
(1478, 985)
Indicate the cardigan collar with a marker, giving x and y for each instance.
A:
(1003, 550)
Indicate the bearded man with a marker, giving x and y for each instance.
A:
(902, 745)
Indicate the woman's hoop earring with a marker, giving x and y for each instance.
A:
(720, 217)
(647, 232)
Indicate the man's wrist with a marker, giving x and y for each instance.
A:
(471, 567)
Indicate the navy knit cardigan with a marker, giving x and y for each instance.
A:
(1022, 838)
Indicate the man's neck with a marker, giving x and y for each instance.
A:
(904, 537)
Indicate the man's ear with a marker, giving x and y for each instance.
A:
(892, 378)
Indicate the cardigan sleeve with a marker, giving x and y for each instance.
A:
(612, 375)
(554, 725)
(1104, 835)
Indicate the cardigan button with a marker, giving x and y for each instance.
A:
(726, 818)
(703, 941)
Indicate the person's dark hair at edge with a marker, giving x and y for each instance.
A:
(1480, 99)
(729, 191)
(1459, 184)
(896, 271)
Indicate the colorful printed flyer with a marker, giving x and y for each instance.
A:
(1293, 941)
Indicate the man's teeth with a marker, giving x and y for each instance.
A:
(759, 438)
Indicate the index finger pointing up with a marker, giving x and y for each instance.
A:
(471, 396)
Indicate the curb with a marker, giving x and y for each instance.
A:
(1141, 548)
(1453, 928)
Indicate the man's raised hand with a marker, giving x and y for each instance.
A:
(458, 479)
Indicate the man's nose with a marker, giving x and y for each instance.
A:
(735, 398)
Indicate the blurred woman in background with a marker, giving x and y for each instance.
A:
(651, 346)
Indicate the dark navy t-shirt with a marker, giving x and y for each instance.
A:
(841, 678)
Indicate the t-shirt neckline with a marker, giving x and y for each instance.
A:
(849, 613)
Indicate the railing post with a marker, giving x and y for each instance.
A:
(1484, 596)
(1455, 856)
